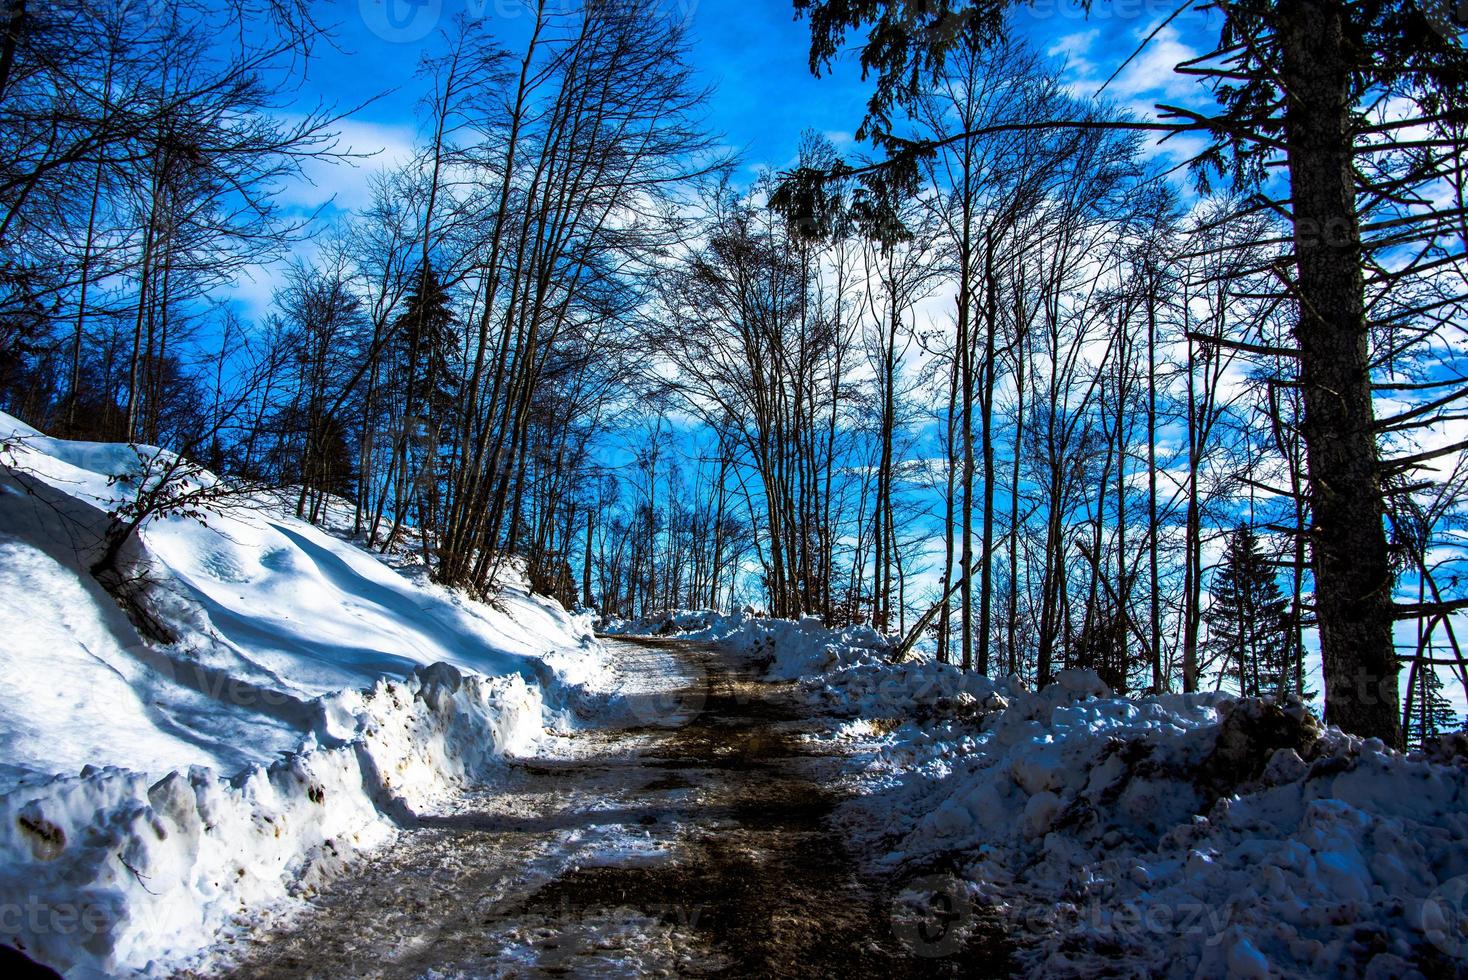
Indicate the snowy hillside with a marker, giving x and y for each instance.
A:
(149, 790)
(1173, 835)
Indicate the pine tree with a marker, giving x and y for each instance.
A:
(336, 471)
(1247, 619)
(425, 342)
(1432, 712)
(423, 345)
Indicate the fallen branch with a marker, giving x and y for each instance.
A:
(904, 649)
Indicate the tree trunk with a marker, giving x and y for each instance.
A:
(1012, 612)
(1353, 578)
(948, 516)
(1154, 644)
(988, 372)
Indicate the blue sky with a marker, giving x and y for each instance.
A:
(753, 53)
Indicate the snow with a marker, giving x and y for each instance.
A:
(316, 698)
(155, 796)
(1168, 835)
(792, 648)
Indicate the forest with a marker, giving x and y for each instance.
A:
(995, 377)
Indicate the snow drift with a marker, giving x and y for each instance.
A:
(315, 700)
(788, 648)
(1172, 835)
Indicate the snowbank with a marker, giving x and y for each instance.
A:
(790, 648)
(1172, 835)
(109, 870)
(315, 700)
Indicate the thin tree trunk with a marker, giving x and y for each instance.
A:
(1159, 680)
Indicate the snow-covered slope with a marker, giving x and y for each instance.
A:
(1197, 835)
(150, 791)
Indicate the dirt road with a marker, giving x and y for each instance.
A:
(694, 844)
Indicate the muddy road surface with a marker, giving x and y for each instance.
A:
(694, 843)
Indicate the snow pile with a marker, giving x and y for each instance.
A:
(791, 649)
(676, 622)
(1169, 835)
(916, 690)
(271, 613)
(113, 870)
(1184, 835)
(314, 700)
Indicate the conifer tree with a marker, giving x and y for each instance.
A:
(1432, 712)
(1246, 621)
(425, 344)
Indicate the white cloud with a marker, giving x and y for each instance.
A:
(347, 183)
(1152, 73)
(1074, 47)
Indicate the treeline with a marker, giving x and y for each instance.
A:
(139, 156)
(1179, 442)
(1008, 387)
(1319, 307)
(442, 359)
(460, 342)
